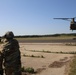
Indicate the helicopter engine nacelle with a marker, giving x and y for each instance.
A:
(72, 26)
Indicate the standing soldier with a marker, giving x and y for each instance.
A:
(11, 55)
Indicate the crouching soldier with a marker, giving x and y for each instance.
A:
(11, 55)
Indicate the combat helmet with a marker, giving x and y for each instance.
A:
(9, 35)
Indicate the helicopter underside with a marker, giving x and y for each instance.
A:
(73, 26)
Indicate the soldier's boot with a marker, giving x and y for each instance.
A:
(1, 72)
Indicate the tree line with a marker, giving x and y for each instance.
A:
(53, 35)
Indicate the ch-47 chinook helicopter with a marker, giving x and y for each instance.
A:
(72, 22)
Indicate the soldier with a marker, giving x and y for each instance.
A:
(1, 61)
(11, 55)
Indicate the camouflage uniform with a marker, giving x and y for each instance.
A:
(11, 55)
(1, 61)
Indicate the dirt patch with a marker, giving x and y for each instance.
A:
(24, 73)
(39, 70)
(64, 59)
(57, 64)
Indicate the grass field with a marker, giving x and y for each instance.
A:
(47, 38)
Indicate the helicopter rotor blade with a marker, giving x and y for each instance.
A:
(65, 18)
(68, 19)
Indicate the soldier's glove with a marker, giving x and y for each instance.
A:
(1, 72)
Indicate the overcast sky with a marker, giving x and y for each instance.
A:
(35, 17)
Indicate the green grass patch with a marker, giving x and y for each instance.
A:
(29, 70)
(61, 52)
(33, 56)
(70, 44)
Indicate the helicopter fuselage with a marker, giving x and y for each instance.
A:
(73, 25)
